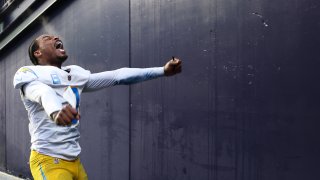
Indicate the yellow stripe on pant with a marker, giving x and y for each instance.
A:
(45, 167)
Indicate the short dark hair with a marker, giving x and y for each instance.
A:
(32, 48)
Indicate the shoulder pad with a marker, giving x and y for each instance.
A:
(23, 76)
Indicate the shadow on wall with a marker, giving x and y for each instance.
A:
(21, 172)
(17, 168)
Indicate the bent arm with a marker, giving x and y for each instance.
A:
(123, 76)
(43, 94)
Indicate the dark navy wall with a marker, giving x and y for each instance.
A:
(244, 108)
(246, 104)
(2, 117)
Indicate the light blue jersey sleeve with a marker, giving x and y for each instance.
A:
(123, 76)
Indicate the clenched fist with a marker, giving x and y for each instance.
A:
(174, 66)
(65, 115)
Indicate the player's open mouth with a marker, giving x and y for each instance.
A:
(58, 44)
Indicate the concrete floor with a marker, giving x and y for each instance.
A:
(5, 176)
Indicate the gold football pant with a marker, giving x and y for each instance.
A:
(45, 167)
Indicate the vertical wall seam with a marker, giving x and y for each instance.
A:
(212, 91)
(130, 132)
(216, 99)
(5, 118)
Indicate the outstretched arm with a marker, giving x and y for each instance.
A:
(125, 76)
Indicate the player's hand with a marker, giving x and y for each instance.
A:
(65, 115)
(174, 66)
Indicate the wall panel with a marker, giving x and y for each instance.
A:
(2, 116)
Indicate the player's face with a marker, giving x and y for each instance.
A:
(52, 50)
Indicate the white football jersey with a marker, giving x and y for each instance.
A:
(44, 90)
(63, 140)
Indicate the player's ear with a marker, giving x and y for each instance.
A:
(37, 53)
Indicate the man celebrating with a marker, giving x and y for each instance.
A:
(51, 95)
